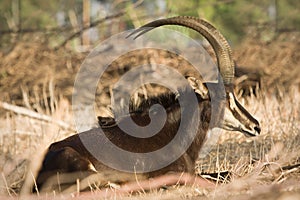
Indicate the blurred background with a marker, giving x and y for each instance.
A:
(260, 19)
(55, 36)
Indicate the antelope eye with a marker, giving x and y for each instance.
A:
(153, 111)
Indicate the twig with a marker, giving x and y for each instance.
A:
(153, 183)
(95, 23)
(6, 185)
(35, 115)
(289, 167)
(77, 33)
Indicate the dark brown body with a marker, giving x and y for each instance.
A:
(71, 155)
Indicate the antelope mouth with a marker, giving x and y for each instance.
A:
(251, 133)
(246, 132)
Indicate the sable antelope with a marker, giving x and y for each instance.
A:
(71, 155)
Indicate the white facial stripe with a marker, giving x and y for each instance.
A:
(230, 121)
(92, 167)
(232, 101)
(234, 107)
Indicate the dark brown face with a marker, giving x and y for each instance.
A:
(237, 118)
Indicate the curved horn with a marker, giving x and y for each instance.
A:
(214, 37)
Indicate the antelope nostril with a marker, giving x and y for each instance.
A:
(257, 129)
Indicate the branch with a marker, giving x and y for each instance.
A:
(95, 23)
(35, 115)
(76, 34)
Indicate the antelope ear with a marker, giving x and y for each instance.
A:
(198, 87)
(106, 122)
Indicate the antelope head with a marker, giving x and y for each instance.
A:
(233, 116)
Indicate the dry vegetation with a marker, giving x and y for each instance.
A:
(266, 167)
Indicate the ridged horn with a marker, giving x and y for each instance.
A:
(214, 37)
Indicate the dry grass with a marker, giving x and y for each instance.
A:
(25, 134)
(262, 167)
